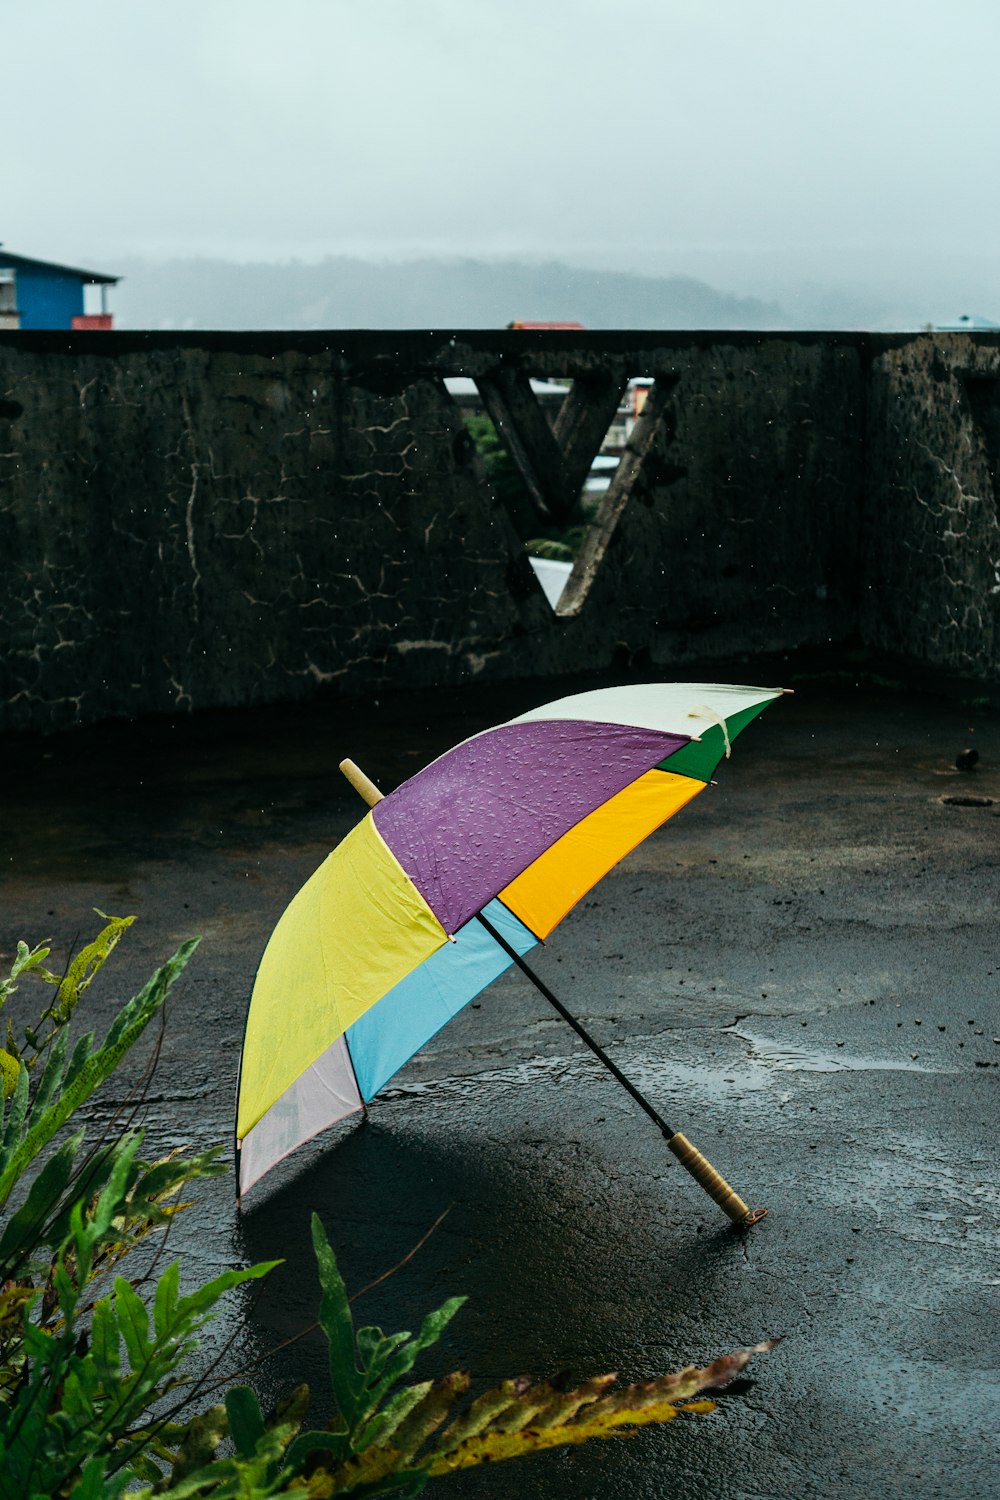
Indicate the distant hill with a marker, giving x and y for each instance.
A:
(346, 293)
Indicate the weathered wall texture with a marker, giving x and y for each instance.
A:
(197, 520)
(932, 536)
(190, 526)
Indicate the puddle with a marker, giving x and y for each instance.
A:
(653, 1068)
(494, 1081)
(657, 1073)
(799, 1060)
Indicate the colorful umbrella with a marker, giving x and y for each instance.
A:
(449, 880)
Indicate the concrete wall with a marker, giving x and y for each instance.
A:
(204, 519)
(932, 538)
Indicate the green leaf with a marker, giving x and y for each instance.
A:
(90, 1190)
(494, 1404)
(382, 1426)
(161, 1178)
(200, 1301)
(335, 1319)
(234, 1479)
(377, 1471)
(95, 1484)
(246, 1422)
(427, 1415)
(202, 1436)
(308, 1444)
(67, 1290)
(143, 1467)
(105, 1342)
(21, 961)
(165, 1299)
(127, 1027)
(26, 960)
(109, 1204)
(80, 1054)
(404, 1358)
(26, 1229)
(133, 1322)
(52, 1075)
(374, 1348)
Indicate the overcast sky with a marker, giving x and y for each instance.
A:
(750, 142)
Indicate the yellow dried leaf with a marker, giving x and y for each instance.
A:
(518, 1417)
(10, 1071)
(85, 965)
(494, 1446)
(367, 1467)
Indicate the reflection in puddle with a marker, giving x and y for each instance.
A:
(654, 1067)
(798, 1060)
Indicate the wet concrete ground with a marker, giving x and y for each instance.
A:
(801, 970)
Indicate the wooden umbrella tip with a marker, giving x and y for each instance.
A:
(362, 784)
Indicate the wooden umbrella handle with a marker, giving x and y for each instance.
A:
(362, 784)
(713, 1182)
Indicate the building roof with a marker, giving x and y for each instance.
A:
(92, 278)
(967, 323)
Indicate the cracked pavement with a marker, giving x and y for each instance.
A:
(801, 970)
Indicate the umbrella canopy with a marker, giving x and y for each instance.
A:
(379, 949)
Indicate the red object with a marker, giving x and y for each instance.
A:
(85, 321)
(545, 325)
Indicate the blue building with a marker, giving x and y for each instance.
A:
(40, 294)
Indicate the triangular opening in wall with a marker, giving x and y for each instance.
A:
(563, 456)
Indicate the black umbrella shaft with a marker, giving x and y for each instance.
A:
(690, 1158)
(581, 1031)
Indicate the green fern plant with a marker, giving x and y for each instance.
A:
(74, 1212)
(79, 1405)
(392, 1438)
(89, 1366)
(29, 963)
